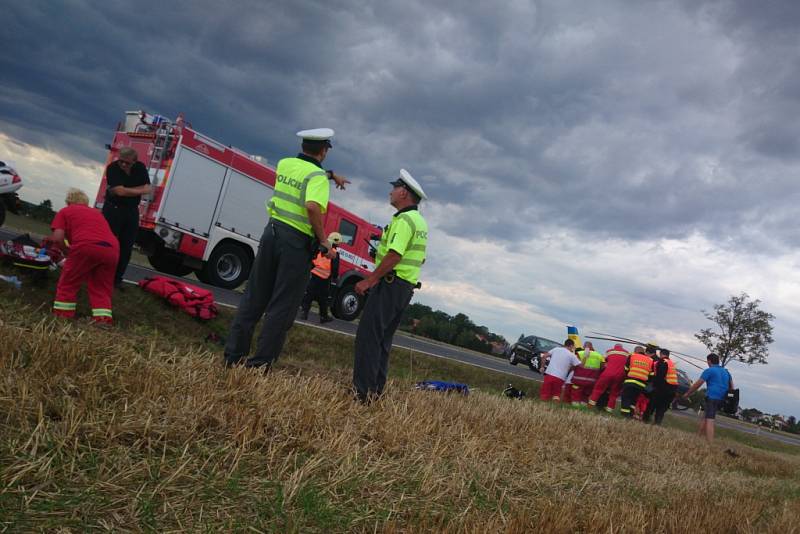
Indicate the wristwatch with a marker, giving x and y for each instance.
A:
(330, 174)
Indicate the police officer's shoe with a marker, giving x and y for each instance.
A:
(231, 361)
(325, 319)
(265, 368)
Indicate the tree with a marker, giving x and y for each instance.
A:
(743, 331)
(792, 426)
(43, 212)
(751, 414)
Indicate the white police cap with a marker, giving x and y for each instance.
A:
(407, 180)
(317, 134)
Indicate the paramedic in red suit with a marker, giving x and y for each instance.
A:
(126, 181)
(92, 258)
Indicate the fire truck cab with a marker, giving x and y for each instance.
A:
(207, 209)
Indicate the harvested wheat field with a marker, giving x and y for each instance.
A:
(135, 429)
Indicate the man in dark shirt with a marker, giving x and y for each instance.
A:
(126, 181)
(665, 384)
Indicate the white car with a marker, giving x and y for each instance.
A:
(10, 182)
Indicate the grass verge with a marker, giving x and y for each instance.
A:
(140, 428)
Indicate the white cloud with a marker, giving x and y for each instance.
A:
(47, 174)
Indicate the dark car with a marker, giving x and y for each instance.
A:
(684, 383)
(529, 349)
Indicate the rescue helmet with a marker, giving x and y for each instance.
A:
(334, 238)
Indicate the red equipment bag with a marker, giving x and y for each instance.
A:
(195, 301)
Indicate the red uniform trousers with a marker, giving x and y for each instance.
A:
(551, 388)
(566, 392)
(610, 382)
(95, 264)
(641, 405)
(583, 381)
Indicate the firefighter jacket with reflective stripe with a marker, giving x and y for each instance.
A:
(407, 235)
(672, 373)
(322, 266)
(298, 181)
(640, 366)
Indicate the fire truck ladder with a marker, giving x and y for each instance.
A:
(160, 145)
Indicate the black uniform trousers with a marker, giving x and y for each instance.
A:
(630, 392)
(124, 223)
(318, 289)
(660, 399)
(277, 281)
(379, 321)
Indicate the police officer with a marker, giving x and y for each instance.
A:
(293, 235)
(400, 256)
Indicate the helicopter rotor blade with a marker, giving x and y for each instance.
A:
(611, 337)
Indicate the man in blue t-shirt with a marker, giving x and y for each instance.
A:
(718, 382)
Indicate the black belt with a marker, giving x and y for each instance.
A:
(283, 226)
(392, 277)
(134, 207)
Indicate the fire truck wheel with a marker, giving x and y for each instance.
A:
(168, 263)
(347, 304)
(227, 267)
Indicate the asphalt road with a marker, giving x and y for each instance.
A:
(230, 298)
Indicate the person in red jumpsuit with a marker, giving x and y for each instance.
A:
(611, 378)
(93, 256)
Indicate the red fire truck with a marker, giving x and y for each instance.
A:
(207, 209)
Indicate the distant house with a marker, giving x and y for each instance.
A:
(772, 421)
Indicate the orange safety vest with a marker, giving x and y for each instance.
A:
(672, 373)
(641, 365)
(322, 266)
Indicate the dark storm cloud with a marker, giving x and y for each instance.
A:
(617, 120)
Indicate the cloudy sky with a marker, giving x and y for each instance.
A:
(616, 165)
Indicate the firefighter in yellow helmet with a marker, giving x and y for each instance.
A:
(324, 271)
(638, 369)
